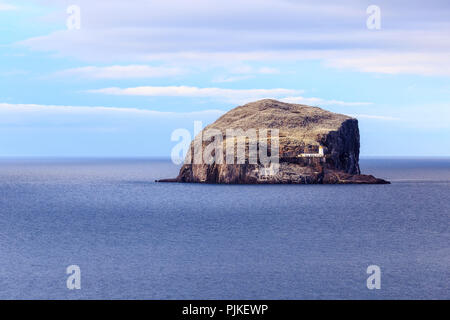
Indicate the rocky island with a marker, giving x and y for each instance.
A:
(314, 146)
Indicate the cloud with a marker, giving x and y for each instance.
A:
(223, 31)
(10, 109)
(232, 95)
(374, 117)
(83, 117)
(14, 72)
(429, 64)
(7, 7)
(243, 95)
(323, 102)
(249, 70)
(431, 117)
(121, 72)
(245, 72)
(52, 130)
(223, 79)
(268, 70)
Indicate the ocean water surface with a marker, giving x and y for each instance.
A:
(136, 239)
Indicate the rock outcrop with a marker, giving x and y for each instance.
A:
(315, 147)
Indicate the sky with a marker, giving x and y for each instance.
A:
(110, 78)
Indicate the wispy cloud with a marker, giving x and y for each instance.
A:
(375, 117)
(244, 95)
(14, 72)
(246, 69)
(59, 130)
(230, 30)
(232, 95)
(322, 102)
(423, 63)
(7, 7)
(245, 72)
(224, 79)
(122, 72)
(8, 109)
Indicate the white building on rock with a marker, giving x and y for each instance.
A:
(313, 155)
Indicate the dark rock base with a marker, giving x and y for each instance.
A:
(289, 173)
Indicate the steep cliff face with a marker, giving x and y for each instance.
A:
(343, 146)
(315, 146)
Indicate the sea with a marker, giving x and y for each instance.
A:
(132, 238)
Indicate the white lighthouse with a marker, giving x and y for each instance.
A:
(321, 154)
(321, 151)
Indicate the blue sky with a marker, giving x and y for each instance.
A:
(135, 71)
